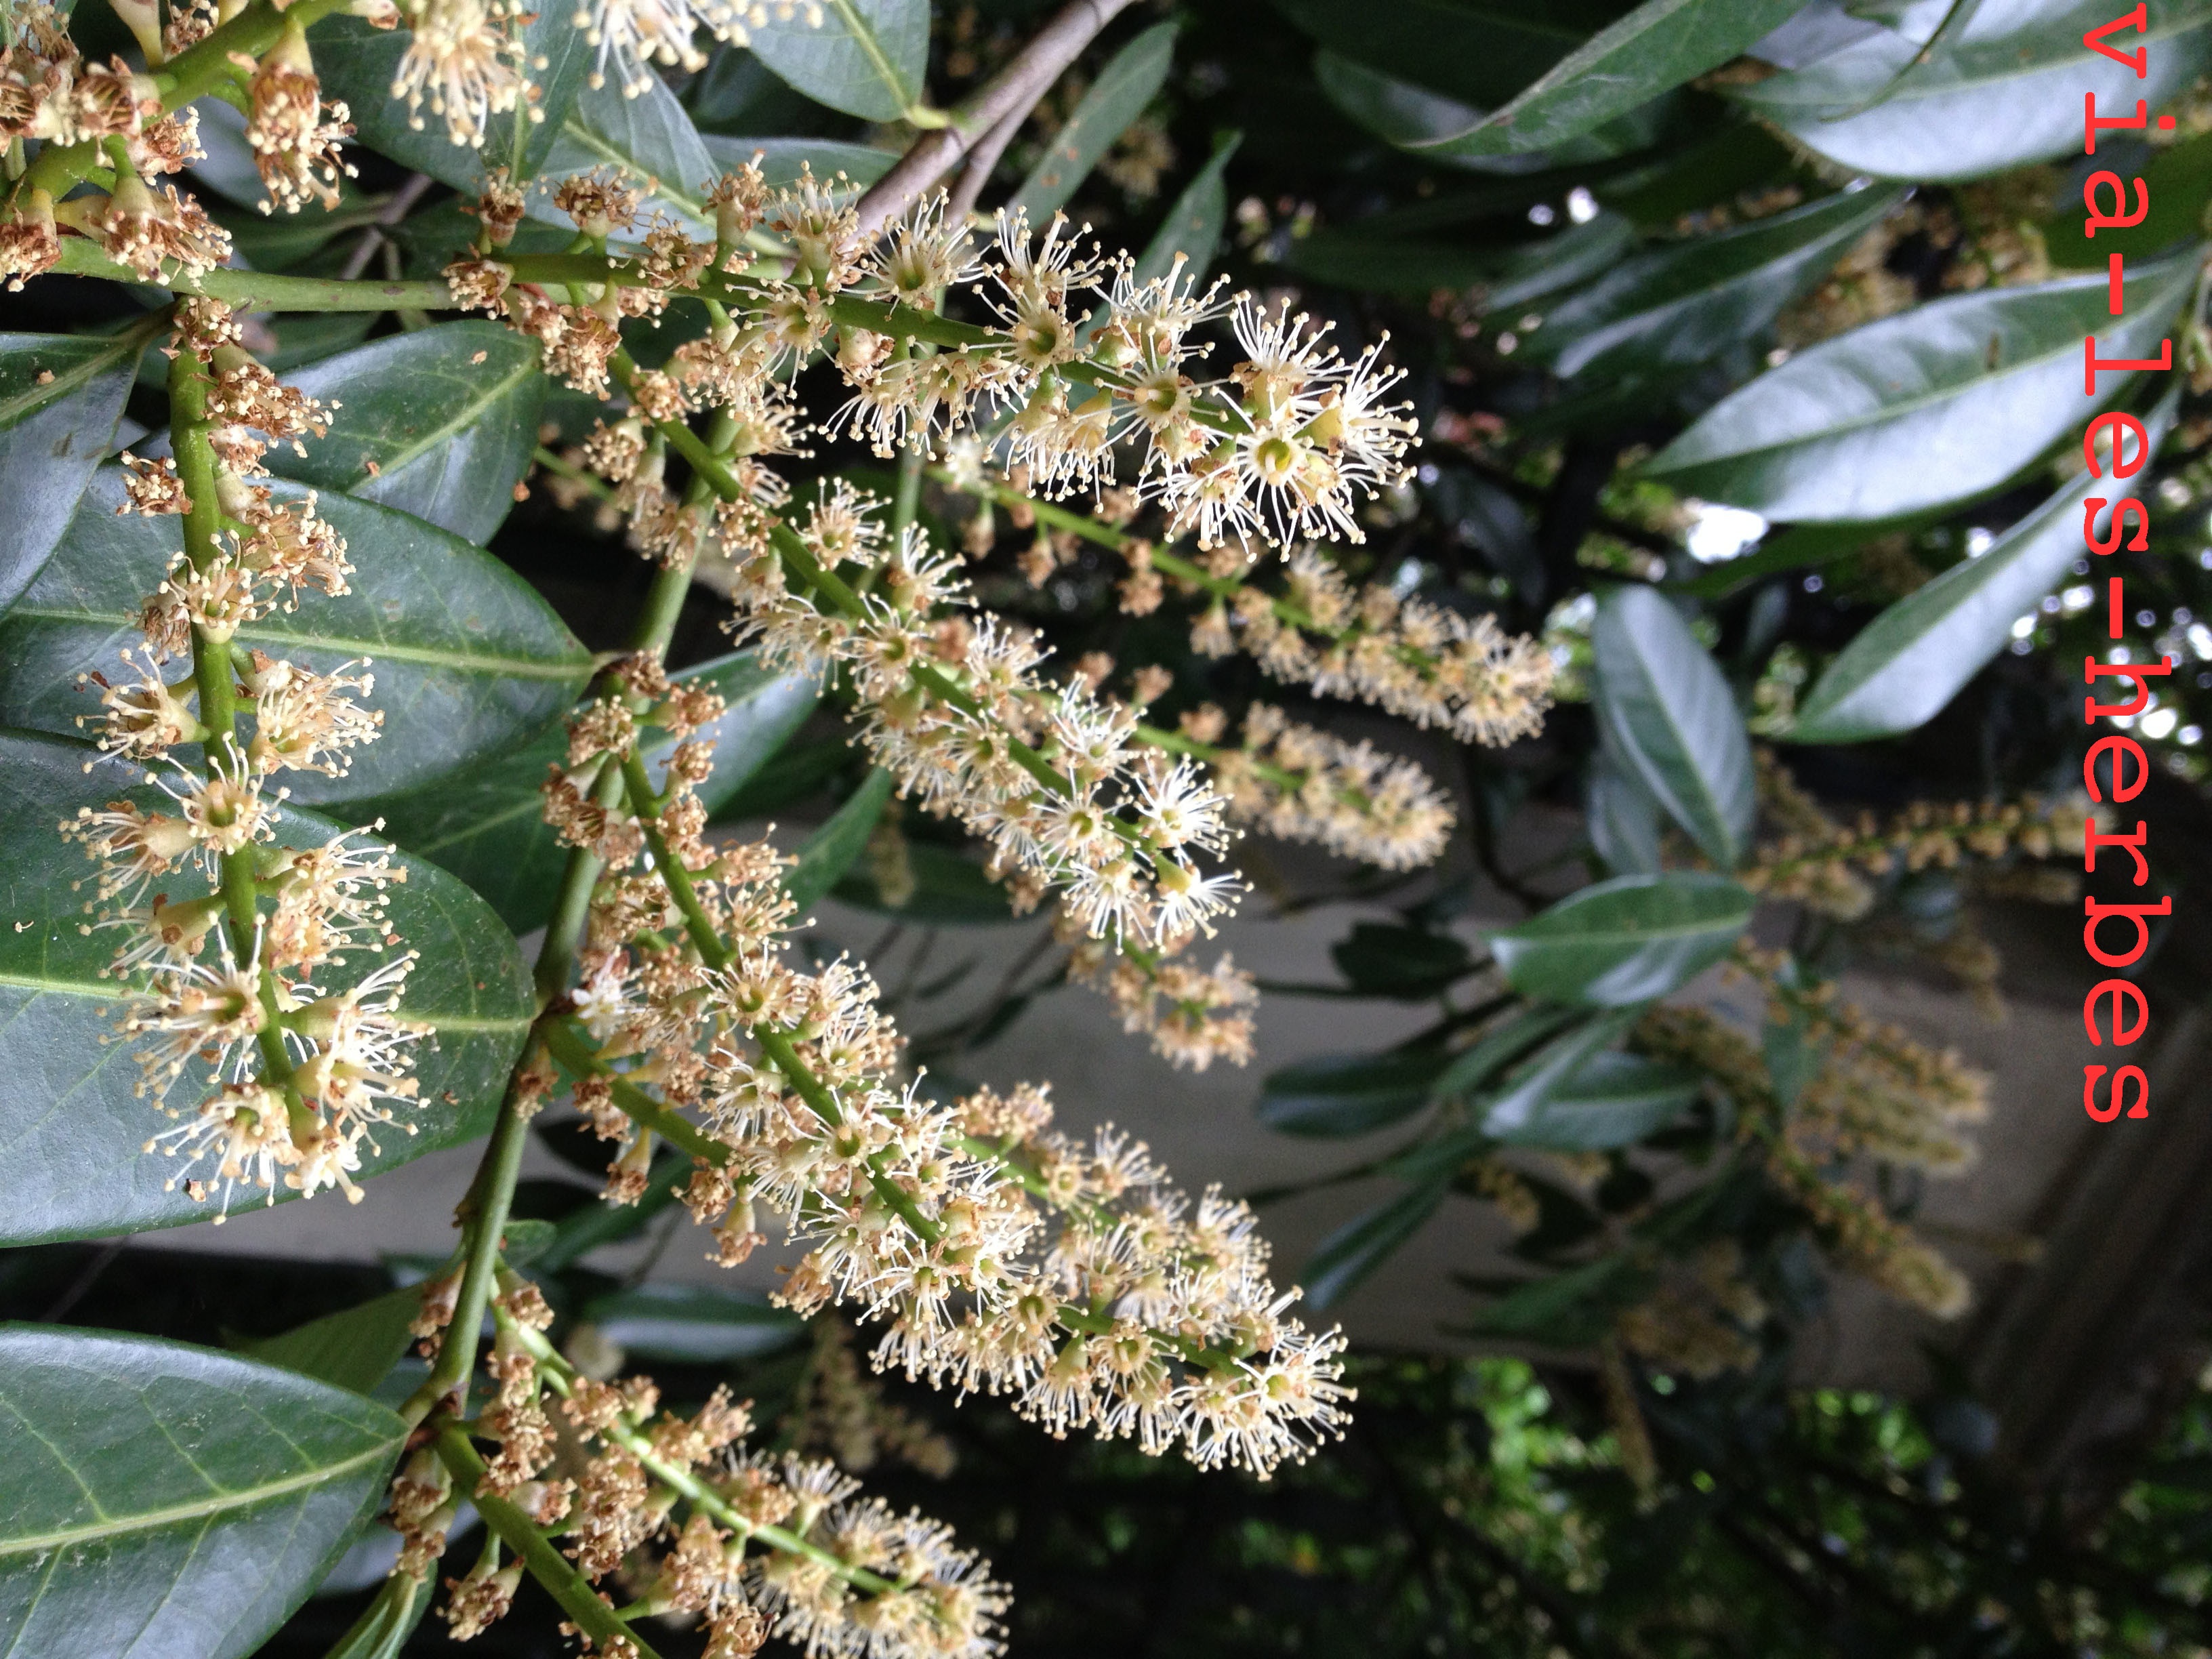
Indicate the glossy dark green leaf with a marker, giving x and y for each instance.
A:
(1336, 1096)
(1625, 940)
(837, 845)
(483, 823)
(1662, 45)
(1475, 51)
(1129, 81)
(866, 57)
(1904, 667)
(700, 1324)
(1409, 114)
(1683, 304)
(70, 1126)
(1610, 1099)
(1352, 258)
(1623, 818)
(467, 659)
(357, 62)
(781, 158)
(1472, 1067)
(1934, 405)
(2180, 186)
(1193, 227)
(1671, 722)
(53, 430)
(166, 1502)
(949, 890)
(355, 1348)
(649, 135)
(439, 423)
(1363, 1244)
(1382, 959)
(1566, 1310)
(2007, 90)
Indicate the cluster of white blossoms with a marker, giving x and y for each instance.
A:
(750, 1543)
(296, 1076)
(999, 1256)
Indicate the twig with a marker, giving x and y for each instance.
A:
(1014, 90)
(401, 203)
(976, 177)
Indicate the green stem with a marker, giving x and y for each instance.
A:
(551, 1569)
(483, 1215)
(259, 290)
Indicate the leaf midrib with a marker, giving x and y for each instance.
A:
(18, 409)
(521, 668)
(604, 148)
(153, 1519)
(1922, 91)
(1889, 412)
(524, 367)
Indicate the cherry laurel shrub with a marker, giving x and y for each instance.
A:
(293, 762)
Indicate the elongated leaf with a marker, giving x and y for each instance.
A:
(1660, 46)
(949, 890)
(482, 823)
(866, 58)
(1352, 260)
(1363, 1244)
(1568, 1309)
(467, 659)
(439, 423)
(1388, 960)
(698, 1323)
(1625, 940)
(1193, 227)
(353, 1349)
(60, 396)
(1475, 1066)
(1671, 720)
(166, 1502)
(2179, 183)
(649, 137)
(837, 845)
(1938, 404)
(1127, 83)
(2008, 90)
(1684, 305)
(358, 62)
(384, 1626)
(1610, 1100)
(781, 158)
(1412, 117)
(1624, 819)
(1480, 53)
(1907, 665)
(71, 1125)
(1336, 1096)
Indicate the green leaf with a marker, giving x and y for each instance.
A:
(781, 158)
(1193, 227)
(1610, 1099)
(53, 435)
(166, 1502)
(71, 1126)
(353, 1349)
(1332, 1097)
(1682, 305)
(1413, 118)
(483, 821)
(1363, 1244)
(2008, 90)
(1567, 1309)
(384, 1625)
(1129, 81)
(837, 845)
(466, 657)
(698, 1324)
(1349, 258)
(1671, 720)
(1936, 404)
(866, 58)
(1476, 52)
(649, 137)
(1904, 667)
(1623, 818)
(1625, 940)
(357, 62)
(2179, 183)
(440, 423)
(1410, 963)
(949, 891)
(1472, 1067)
(1662, 45)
